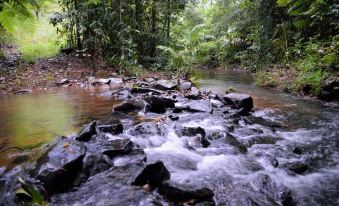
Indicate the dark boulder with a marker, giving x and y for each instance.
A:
(153, 175)
(330, 89)
(58, 168)
(297, 167)
(92, 164)
(173, 117)
(239, 100)
(86, 134)
(116, 147)
(181, 194)
(113, 128)
(189, 131)
(129, 106)
(165, 84)
(233, 141)
(112, 187)
(158, 104)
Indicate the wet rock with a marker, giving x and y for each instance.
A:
(195, 106)
(86, 134)
(136, 156)
(114, 128)
(297, 150)
(330, 89)
(260, 139)
(173, 117)
(102, 81)
(122, 94)
(63, 82)
(189, 131)
(181, 194)
(233, 141)
(165, 84)
(112, 187)
(117, 147)
(275, 163)
(23, 91)
(115, 80)
(158, 104)
(194, 94)
(129, 106)
(297, 167)
(92, 164)
(58, 168)
(275, 192)
(145, 129)
(239, 100)
(216, 103)
(140, 90)
(153, 175)
(185, 85)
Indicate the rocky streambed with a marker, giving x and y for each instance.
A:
(190, 148)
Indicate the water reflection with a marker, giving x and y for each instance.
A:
(28, 121)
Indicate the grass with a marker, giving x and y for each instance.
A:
(36, 38)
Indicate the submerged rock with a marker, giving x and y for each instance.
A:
(153, 175)
(239, 100)
(58, 168)
(233, 141)
(297, 167)
(86, 134)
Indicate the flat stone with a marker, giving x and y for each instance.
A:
(116, 80)
(63, 81)
(195, 106)
(165, 84)
(239, 100)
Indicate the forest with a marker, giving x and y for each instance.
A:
(290, 44)
(169, 102)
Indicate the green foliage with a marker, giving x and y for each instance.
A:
(29, 194)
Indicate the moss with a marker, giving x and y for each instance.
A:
(266, 79)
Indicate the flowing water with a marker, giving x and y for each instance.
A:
(303, 131)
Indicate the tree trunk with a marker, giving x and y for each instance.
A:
(77, 27)
(168, 19)
(153, 30)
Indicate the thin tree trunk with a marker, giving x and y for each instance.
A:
(153, 30)
(77, 27)
(168, 19)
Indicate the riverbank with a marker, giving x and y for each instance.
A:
(293, 80)
(19, 77)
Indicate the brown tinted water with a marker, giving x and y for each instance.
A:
(28, 121)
